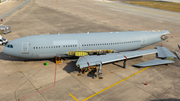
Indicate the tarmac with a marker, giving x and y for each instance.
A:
(23, 80)
(8, 5)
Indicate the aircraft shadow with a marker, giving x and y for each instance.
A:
(70, 67)
(93, 76)
(7, 58)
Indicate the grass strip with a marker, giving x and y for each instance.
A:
(175, 7)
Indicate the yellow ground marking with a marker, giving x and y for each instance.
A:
(73, 97)
(114, 84)
(141, 9)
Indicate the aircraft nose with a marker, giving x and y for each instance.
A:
(5, 50)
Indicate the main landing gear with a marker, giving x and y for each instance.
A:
(91, 70)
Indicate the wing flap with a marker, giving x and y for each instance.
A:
(132, 54)
(154, 63)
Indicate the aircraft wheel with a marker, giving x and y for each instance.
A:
(78, 74)
(100, 77)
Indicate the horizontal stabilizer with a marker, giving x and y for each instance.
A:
(163, 52)
(154, 63)
(92, 60)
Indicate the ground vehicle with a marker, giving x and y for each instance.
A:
(3, 41)
(4, 29)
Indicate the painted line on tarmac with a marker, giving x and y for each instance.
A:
(73, 97)
(57, 2)
(141, 9)
(114, 84)
(43, 89)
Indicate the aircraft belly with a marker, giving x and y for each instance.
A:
(50, 55)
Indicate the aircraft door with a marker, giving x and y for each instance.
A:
(79, 46)
(143, 40)
(25, 48)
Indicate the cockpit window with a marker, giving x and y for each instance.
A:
(9, 46)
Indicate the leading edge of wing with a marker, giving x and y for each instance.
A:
(92, 60)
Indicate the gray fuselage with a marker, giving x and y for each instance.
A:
(49, 46)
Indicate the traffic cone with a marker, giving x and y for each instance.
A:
(146, 83)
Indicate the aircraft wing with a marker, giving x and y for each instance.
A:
(92, 60)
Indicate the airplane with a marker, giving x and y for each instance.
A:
(92, 48)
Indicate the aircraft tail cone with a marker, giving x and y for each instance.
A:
(146, 83)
